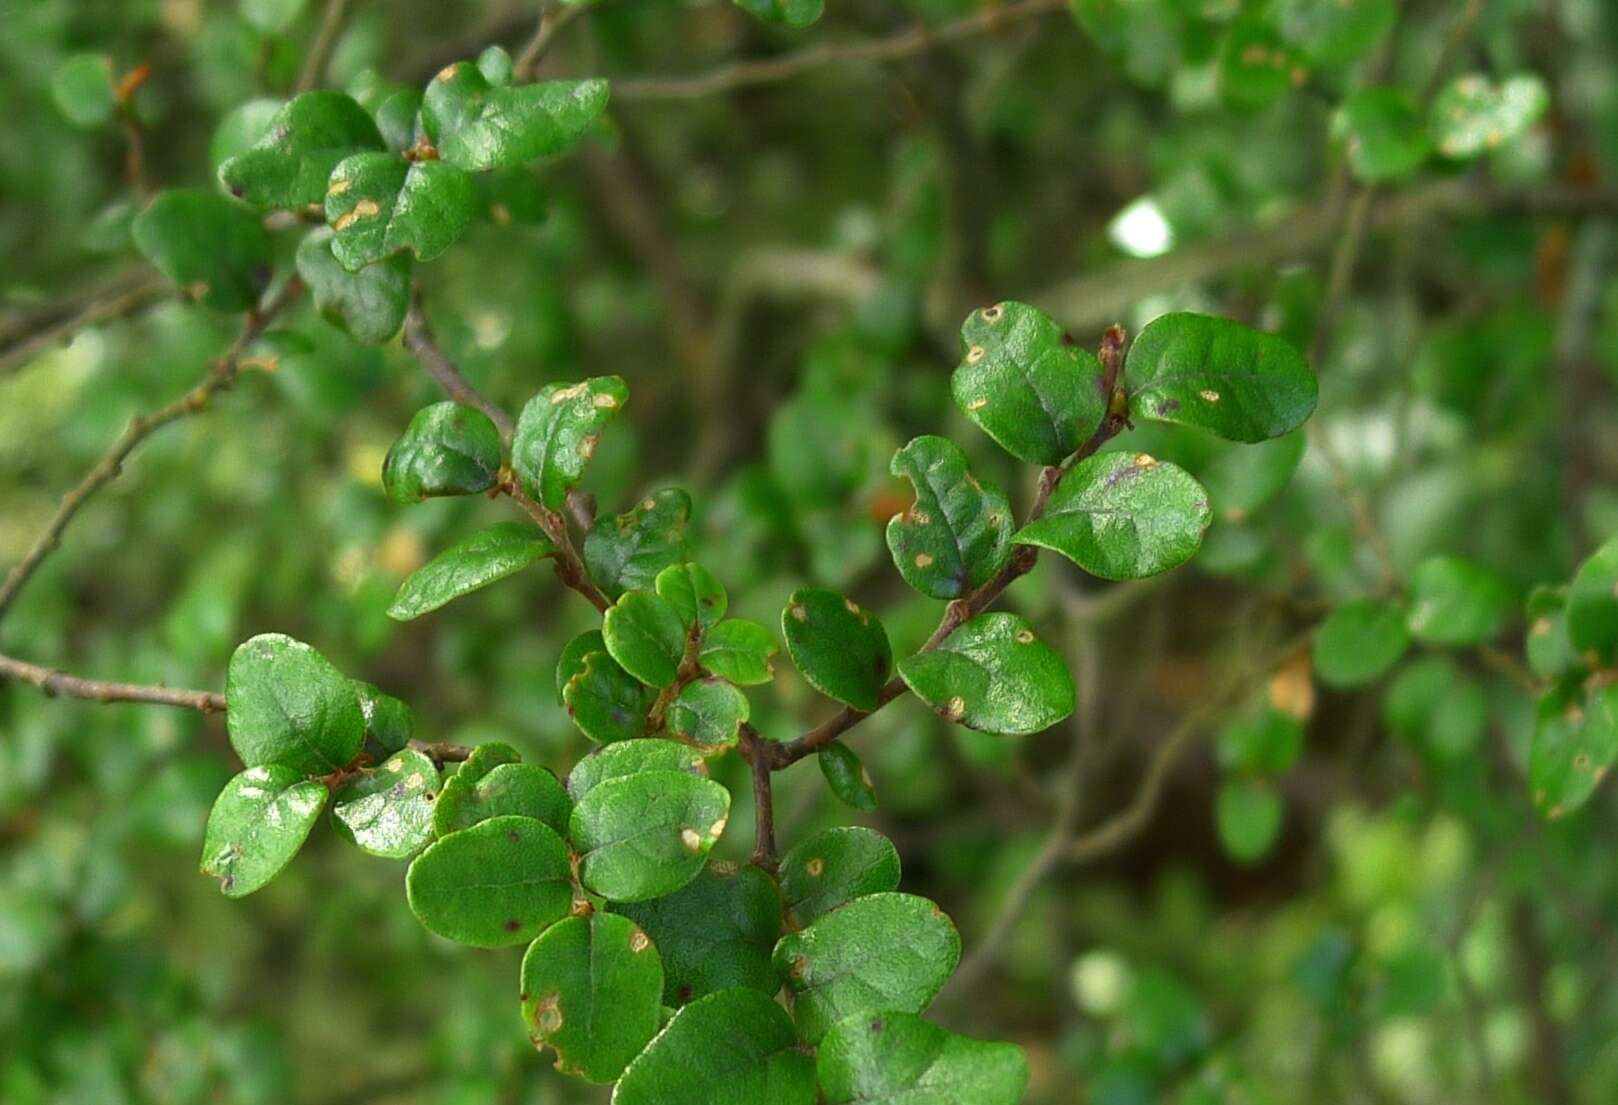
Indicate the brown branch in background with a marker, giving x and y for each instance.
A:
(25, 339)
(220, 375)
(441, 752)
(552, 22)
(320, 51)
(54, 683)
(418, 338)
(917, 40)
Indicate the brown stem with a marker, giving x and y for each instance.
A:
(320, 51)
(441, 752)
(756, 752)
(220, 375)
(55, 323)
(569, 568)
(55, 683)
(552, 22)
(418, 338)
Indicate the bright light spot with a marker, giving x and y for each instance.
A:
(1140, 229)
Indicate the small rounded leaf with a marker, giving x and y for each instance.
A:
(389, 721)
(1575, 745)
(1592, 605)
(503, 881)
(835, 866)
(523, 790)
(571, 662)
(993, 674)
(708, 713)
(1382, 133)
(388, 812)
(591, 991)
(211, 246)
(891, 1058)
(1359, 641)
(478, 126)
(631, 758)
(841, 649)
(369, 305)
(1123, 516)
(695, 592)
(473, 562)
(740, 651)
(645, 633)
(289, 166)
(957, 534)
(733, 1047)
(286, 704)
(846, 776)
(82, 87)
(1248, 815)
(647, 834)
(447, 449)
(257, 824)
(1455, 602)
(378, 204)
(1473, 115)
(557, 432)
(629, 551)
(605, 701)
(714, 933)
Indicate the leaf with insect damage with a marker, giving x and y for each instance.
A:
(447, 449)
(994, 674)
(379, 204)
(557, 432)
(647, 834)
(957, 533)
(257, 824)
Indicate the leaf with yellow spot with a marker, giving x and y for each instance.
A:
(647, 834)
(841, 649)
(628, 551)
(289, 166)
(557, 433)
(379, 204)
(388, 811)
(1575, 745)
(957, 534)
(993, 673)
(835, 866)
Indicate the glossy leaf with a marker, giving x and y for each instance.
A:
(591, 990)
(503, 881)
(369, 304)
(388, 811)
(616, 761)
(212, 247)
(992, 673)
(1123, 516)
(1592, 605)
(1247, 814)
(478, 126)
(289, 166)
(879, 953)
(257, 824)
(1472, 115)
(379, 204)
(1025, 386)
(841, 649)
(893, 1058)
(389, 721)
(605, 701)
(695, 592)
(627, 552)
(1200, 370)
(714, 933)
(506, 789)
(1575, 745)
(1455, 602)
(733, 1047)
(740, 651)
(648, 834)
(708, 713)
(474, 562)
(557, 432)
(286, 704)
(846, 776)
(957, 533)
(647, 636)
(835, 866)
(571, 662)
(1360, 641)
(447, 449)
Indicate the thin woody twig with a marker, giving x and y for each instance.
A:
(756, 752)
(552, 22)
(54, 683)
(57, 323)
(569, 567)
(220, 375)
(418, 338)
(320, 51)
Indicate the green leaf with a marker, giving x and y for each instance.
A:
(379, 204)
(82, 87)
(478, 126)
(646, 635)
(1455, 602)
(957, 533)
(1255, 67)
(992, 673)
(1360, 641)
(835, 866)
(290, 165)
(388, 721)
(1247, 814)
(503, 881)
(796, 14)
(714, 933)
(257, 825)
(1336, 31)
(571, 662)
(1592, 606)
(396, 120)
(523, 790)
(695, 592)
(879, 953)
(1199, 370)
(1268, 743)
(212, 247)
(734, 1047)
(616, 761)
(1024, 386)
(1123, 516)
(1575, 744)
(1473, 115)
(846, 776)
(708, 713)
(241, 126)
(1382, 133)
(591, 990)
(1241, 478)
(648, 834)
(495, 64)
(370, 304)
(1549, 643)
(740, 651)
(893, 1058)
(605, 701)
(286, 704)
(447, 449)
(629, 551)
(557, 433)
(388, 812)
(841, 650)
(474, 562)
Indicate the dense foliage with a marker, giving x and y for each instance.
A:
(1151, 455)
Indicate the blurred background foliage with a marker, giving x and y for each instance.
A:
(1331, 897)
